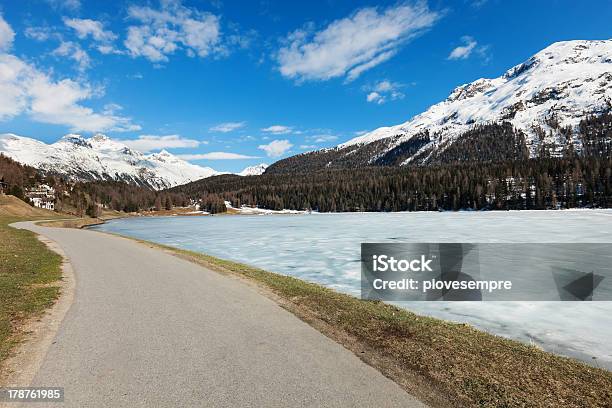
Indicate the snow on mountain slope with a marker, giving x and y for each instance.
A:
(569, 80)
(100, 158)
(254, 170)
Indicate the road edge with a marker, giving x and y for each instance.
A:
(39, 332)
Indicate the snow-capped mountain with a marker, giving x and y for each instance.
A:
(101, 158)
(550, 92)
(254, 170)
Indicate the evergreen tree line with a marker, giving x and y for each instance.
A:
(15, 177)
(92, 196)
(526, 184)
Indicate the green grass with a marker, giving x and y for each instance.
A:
(29, 273)
(462, 365)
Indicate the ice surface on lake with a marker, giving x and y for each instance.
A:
(325, 248)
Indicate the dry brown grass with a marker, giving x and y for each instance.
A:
(11, 206)
(185, 211)
(71, 223)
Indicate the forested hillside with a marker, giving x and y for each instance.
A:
(86, 197)
(489, 168)
(16, 176)
(526, 184)
(125, 197)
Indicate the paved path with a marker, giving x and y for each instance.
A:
(149, 329)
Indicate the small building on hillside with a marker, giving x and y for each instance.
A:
(42, 196)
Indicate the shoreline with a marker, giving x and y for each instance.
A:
(554, 338)
(394, 327)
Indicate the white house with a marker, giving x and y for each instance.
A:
(42, 196)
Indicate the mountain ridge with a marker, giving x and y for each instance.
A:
(543, 99)
(102, 158)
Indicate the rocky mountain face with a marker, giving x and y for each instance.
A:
(101, 158)
(534, 109)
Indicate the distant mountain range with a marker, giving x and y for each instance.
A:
(533, 109)
(101, 158)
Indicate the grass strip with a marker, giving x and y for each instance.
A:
(71, 223)
(29, 274)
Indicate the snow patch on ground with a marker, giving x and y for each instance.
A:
(246, 210)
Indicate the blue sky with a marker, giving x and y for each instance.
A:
(228, 84)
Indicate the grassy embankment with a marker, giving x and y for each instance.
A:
(443, 363)
(29, 272)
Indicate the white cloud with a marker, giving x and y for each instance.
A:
(308, 147)
(375, 97)
(384, 91)
(470, 46)
(66, 4)
(355, 72)
(216, 156)
(108, 49)
(112, 108)
(147, 143)
(75, 52)
(170, 28)
(227, 127)
(479, 3)
(385, 86)
(39, 33)
(276, 147)
(323, 138)
(465, 50)
(85, 27)
(352, 45)
(13, 90)
(25, 89)
(277, 129)
(7, 35)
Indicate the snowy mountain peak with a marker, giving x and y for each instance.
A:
(254, 170)
(575, 52)
(164, 156)
(164, 153)
(101, 158)
(471, 89)
(567, 80)
(76, 140)
(100, 138)
(565, 53)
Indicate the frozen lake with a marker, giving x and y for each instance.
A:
(325, 248)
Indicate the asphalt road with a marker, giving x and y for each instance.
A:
(149, 329)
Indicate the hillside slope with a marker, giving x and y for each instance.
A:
(11, 206)
(532, 110)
